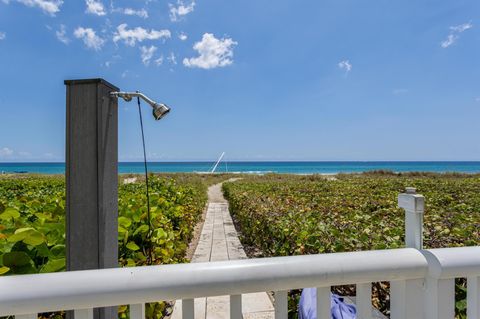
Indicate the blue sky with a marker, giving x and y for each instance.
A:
(260, 80)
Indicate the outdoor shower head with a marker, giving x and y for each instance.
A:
(159, 109)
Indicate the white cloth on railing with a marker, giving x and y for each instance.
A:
(307, 308)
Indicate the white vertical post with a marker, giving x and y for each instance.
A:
(364, 301)
(406, 296)
(281, 305)
(324, 303)
(406, 299)
(137, 311)
(188, 309)
(236, 307)
(414, 206)
(83, 313)
(473, 297)
(440, 298)
(439, 295)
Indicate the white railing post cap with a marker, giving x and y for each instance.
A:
(411, 201)
(410, 190)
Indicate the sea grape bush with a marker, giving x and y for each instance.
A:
(174, 211)
(32, 224)
(32, 215)
(309, 215)
(282, 215)
(32, 231)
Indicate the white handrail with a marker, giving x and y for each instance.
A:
(23, 294)
(28, 294)
(447, 263)
(107, 287)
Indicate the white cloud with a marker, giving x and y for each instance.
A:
(3, 35)
(212, 52)
(62, 34)
(147, 54)
(182, 36)
(159, 61)
(95, 7)
(131, 36)
(172, 59)
(455, 34)
(181, 10)
(6, 1)
(345, 65)
(89, 37)
(451, 38)
(462, 27)
(6, 152)
(142, 13)
(50, 7)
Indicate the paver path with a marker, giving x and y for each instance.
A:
(219, 241)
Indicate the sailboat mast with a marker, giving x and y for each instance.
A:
(216, 164)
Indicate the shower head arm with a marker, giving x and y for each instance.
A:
(127, 96)
(159, 109)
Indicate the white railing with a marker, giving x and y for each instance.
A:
(422, 281)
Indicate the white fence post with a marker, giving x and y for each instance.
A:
(83, 313)
(473, 297)
(324, 303)
(137, 311)
(414, 206)
(406, 299)
(364, 300)
(440, 298)
(236, 307)
(188, 308)
(281, 304)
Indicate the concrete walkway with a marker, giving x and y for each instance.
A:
(219, 241)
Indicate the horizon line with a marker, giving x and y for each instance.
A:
(263, 161)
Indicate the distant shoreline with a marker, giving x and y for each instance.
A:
(263, 167)
(263, 161)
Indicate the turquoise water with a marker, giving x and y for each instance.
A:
(260, 167)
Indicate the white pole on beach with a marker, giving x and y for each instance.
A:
(407, 295)
(218, 162)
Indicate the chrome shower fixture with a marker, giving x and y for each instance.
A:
(159, 109)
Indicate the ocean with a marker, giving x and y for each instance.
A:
(259, 167)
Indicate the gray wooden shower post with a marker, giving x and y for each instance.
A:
(92, 179)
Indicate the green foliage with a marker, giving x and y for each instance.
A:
(175, 209)
(291, 215)
(32, 224)
(32, 215)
